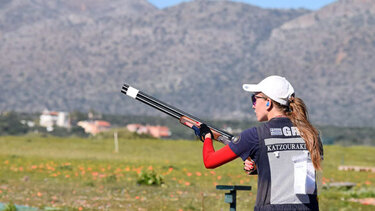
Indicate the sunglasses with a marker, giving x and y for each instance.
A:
(254, 99)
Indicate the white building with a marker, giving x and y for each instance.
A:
(48, 119)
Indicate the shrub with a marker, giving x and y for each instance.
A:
(150, 178)
(10, 207)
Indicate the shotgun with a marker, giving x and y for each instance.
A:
(184, 118)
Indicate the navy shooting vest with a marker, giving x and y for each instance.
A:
(280, 147)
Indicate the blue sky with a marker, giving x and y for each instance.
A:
(307, 4)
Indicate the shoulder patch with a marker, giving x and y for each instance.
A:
(276, 132)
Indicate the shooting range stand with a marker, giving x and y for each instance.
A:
(231, 196)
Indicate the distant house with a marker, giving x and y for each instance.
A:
(94, 127)
(137, 128)
(155, 131)
(48, 119)
(159, 131)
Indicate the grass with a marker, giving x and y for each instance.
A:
(86, 174)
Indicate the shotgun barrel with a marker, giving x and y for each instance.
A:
(185, 118)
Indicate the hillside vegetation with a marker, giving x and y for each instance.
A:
(75, 55)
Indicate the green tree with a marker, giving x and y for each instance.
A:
(10, 124)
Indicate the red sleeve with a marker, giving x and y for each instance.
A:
(214, 159)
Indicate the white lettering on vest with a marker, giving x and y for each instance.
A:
(295, 131)
(286, 131)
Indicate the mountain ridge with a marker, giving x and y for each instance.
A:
(194, 55)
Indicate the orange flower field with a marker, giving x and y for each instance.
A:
(85, 174)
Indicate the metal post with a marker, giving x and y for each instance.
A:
(231, 199)
(116, 141)
(231, 196)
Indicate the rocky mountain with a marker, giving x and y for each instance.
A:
(329, 55)
(75, 55)
(15, 14)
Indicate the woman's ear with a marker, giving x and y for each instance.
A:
(269, 105)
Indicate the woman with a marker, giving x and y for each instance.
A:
(286, 148)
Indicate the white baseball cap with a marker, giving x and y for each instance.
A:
(275, 87)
